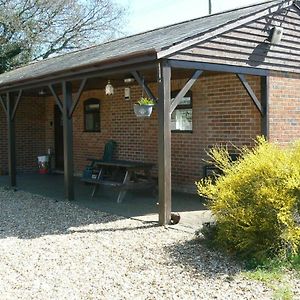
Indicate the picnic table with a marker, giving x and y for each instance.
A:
(122, 174)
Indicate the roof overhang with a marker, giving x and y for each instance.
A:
(117, 64)
(105, 64)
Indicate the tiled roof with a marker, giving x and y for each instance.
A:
(154, 40)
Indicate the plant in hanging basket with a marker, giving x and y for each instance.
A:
(143, 107)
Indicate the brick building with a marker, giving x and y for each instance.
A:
(231, 76)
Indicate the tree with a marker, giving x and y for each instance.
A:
(37, 29)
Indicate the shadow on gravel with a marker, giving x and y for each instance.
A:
(148, 226)
(194, 256)
(28, 216)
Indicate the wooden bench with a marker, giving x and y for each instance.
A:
(102, 182)
(130, 180)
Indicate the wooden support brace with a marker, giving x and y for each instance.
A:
(57, 99)
(3, 104)
(16, 105)
(76, 100)
(185, 89)
(182, 64)
(11, 140)
(142, 83)
(68, 140)
(250, 92)
(164, 143)
(296, 5)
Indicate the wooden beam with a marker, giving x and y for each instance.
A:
(250, 92)
(164, 142)
(265, 106)
(56, 97)
(297, 6)
(143, 84)
(16, 105)
(3, 105)
(68, 140)
(183, 64)
(11, 139)
(92, 72)
(185, 89)
(76, 100)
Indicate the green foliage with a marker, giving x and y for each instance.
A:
(295, 262)
(256, 201)
(275, 274)
(283, 293)
(145, 101)
(275, 264)
(37, 29)
(266, 276)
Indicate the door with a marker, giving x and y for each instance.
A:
(59, 139)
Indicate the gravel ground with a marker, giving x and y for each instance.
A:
(57, 250)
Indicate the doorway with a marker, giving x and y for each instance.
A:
(59, 139)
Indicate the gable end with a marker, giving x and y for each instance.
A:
(248, 45)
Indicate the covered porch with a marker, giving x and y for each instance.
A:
(237, 78)
(188, 147)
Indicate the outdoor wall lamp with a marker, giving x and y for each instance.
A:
(129, 80)
(127, 92)
(109, 89)
(276, 35)
(41, 92)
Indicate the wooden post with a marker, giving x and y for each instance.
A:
(11, 139)
(265, 106)
(164, 142)
(68, 140)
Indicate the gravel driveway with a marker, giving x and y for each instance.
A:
(56, 250)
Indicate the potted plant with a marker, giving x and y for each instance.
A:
(143, 107)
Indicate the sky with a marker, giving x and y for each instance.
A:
(145, 15)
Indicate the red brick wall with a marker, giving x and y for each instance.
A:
(30, 134)
(284, 107)
(222, 113)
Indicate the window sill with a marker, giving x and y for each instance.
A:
(182, 131)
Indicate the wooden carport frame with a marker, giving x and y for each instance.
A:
(165, 107)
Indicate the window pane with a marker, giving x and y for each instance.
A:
(92, 115)
(181, 119)
(185, 101)
(92, 107)
(96, 121)
(89, 122)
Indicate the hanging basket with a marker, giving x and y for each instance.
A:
(143, 110)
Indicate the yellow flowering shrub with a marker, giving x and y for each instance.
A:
(256, 201)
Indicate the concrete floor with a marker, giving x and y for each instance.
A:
(140, 205)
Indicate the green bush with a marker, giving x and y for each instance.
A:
(256, 201)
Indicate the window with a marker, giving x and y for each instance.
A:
(92, 115)
(181, 119)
